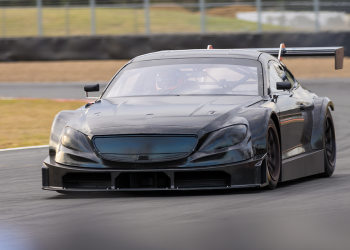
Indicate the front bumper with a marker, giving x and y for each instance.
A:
(249, 173)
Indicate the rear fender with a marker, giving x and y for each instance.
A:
(321, 105)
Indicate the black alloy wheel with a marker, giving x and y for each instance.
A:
(329, 142)
(273, 157)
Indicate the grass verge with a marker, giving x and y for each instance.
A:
(28, 122)
(21, 22)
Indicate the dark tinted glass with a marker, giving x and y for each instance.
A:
(187, 77)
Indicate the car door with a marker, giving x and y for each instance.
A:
(291, 107)
(306, 98)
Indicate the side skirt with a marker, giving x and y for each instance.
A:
(306, 164)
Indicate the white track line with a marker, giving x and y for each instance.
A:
(9, 149)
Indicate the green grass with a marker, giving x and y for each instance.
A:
(20, 22)
(28, 122)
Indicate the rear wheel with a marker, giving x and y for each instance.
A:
(329, 145)
(273, 157)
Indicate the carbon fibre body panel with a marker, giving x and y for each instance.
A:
(298, 115)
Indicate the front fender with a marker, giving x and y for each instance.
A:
(258, 118)
(59, 123)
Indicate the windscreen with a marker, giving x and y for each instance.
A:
(185, 79)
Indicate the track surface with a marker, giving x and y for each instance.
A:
(73, 90)
(311, 213)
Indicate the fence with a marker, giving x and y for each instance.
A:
(19, 18)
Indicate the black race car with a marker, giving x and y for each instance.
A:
(195, 119)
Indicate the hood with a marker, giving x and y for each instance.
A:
(159, 114)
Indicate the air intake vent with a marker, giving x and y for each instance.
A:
(87, 180)
(196, 179)
(142, 180)
(136, 148)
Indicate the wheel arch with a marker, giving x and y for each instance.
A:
(321, 105)
(275, 119)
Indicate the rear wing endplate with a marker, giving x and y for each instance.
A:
(337, 52)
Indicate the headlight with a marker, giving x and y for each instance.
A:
(76, 150)
(75, 140)
(224, 138)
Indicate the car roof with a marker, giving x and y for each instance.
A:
(197, 53)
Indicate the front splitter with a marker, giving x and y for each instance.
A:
(245, 174)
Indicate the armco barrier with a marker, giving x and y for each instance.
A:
(126, 47)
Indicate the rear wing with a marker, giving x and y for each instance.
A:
(337, 52)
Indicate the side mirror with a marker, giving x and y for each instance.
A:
(283, 85)
(91, 88)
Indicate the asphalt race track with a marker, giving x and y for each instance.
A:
(310, 213)
(62, 90)
(75, 90)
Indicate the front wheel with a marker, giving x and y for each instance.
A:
(273, 157)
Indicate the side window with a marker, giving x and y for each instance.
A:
(289, 76)
(278, 73)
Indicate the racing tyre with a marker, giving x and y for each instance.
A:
(273, 157)
(329, 145)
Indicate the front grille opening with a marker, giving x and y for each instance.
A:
(87, 180)
(196, 179)
(131, 148)
(142, 180)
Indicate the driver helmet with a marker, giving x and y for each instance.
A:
(168, 79)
